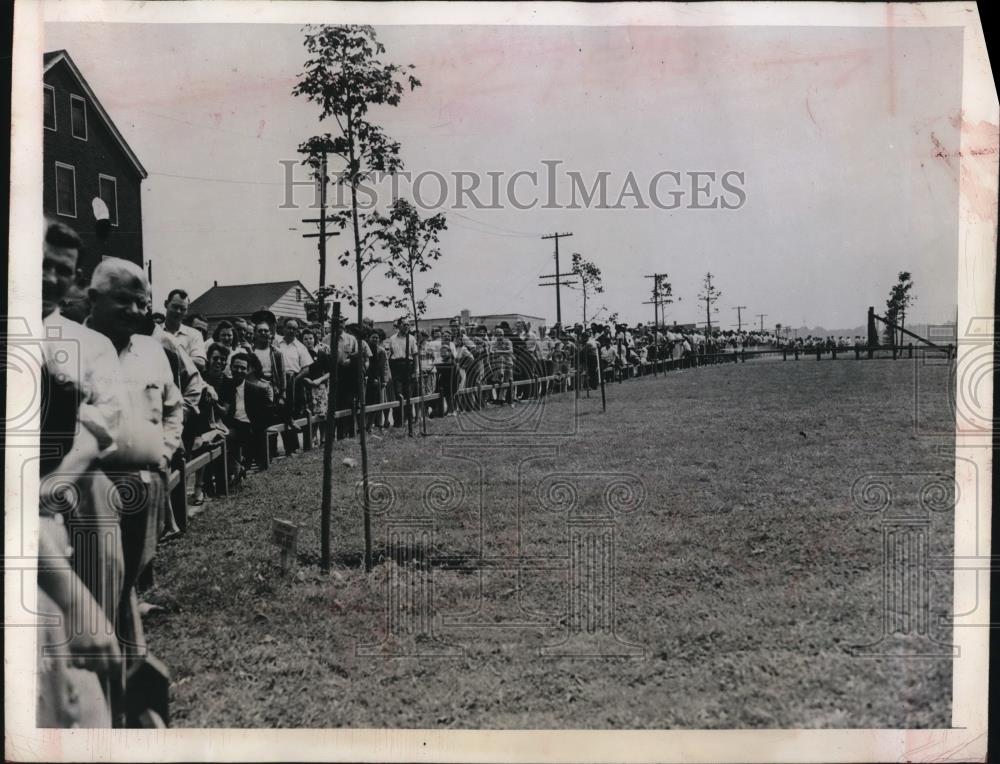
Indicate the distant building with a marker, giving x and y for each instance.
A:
(286, 299)
(86, 157)
(466, 320)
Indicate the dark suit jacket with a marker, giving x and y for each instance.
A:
(259, 408)
(277, 374)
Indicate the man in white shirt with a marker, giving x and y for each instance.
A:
(188, 339)
(248, 411)
(79, 368)
(153, 413)
(191, 383)
(294, 353)
(402, 349)
(297, 361)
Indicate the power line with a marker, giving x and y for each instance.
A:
(220, 180)
(527, 234)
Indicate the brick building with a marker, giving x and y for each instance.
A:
(86, 157)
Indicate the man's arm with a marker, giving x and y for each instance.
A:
(196, 349)
(193, 384)
(305, 360)
(366, 355)
(173, 412)
(94, 649)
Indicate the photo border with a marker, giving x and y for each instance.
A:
(966, 740)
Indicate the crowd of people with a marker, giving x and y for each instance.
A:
(145, 391)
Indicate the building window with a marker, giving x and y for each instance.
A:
(107, 188)
(65, 190)
(78, 116)
(298, 294)
(50, 107)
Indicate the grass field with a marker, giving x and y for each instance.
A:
(745, 575)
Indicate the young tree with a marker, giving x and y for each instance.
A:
(663, 292)
(611, 318)
(411, 244)
(345, 76)
(709, 295)
(896, 306)
(590, 279)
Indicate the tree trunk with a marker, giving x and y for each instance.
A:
(420, 373)
(330, 429)
(362, 434)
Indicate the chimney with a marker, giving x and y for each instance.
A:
(215, 284)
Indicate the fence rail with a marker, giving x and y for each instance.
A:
(215, 456)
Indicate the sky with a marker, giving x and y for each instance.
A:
(838, 134)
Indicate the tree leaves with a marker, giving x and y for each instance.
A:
(344, 75)
(899, 301)
(588, 273)
(411, 246)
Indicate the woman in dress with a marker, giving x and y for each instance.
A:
(316, 382)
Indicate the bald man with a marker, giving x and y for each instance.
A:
(153, 408)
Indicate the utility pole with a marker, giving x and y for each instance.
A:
(739, 317)
(557, 275)
(657, 297)
(762, 316)
(323, 234)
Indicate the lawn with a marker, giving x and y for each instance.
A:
(743, 571)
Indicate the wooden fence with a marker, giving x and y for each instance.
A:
(215, 456)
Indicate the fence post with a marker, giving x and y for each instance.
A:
(909, 349)
(222, 469)
(576, 374)
(307, 433)
(600, 377)
(265, 449)
(178, 497)
(784, 354)
(834, 353)
(819, 353)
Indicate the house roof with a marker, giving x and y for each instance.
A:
(52, 58)
(241, 299)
